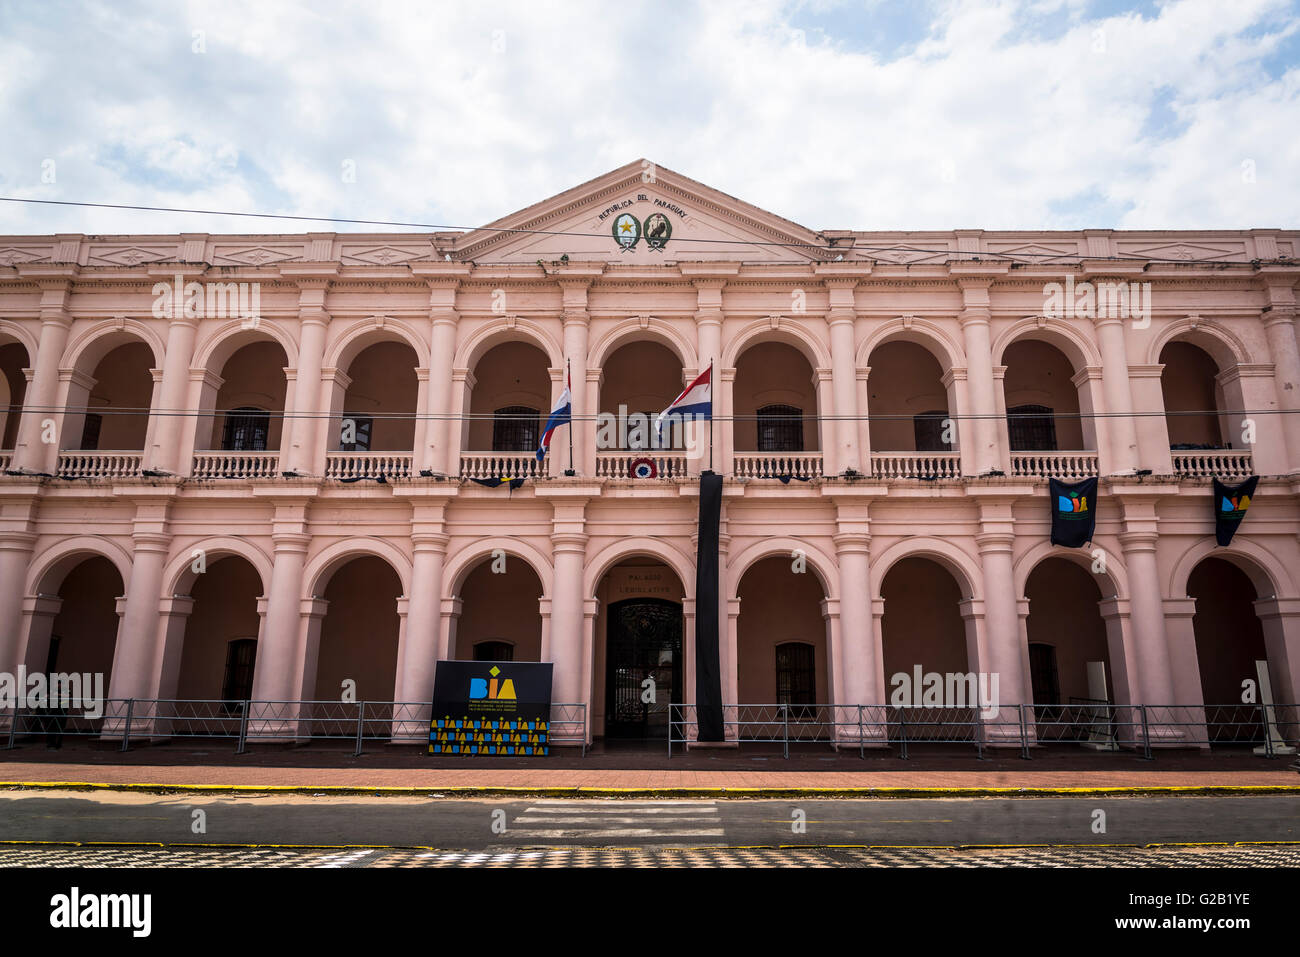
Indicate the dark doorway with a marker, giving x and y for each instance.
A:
(644, 640)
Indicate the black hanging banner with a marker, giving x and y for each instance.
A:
(708, 670)
(1074, 511)
(1230, 504)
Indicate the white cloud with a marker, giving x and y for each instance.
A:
(458, 114)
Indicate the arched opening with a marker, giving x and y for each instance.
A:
(1193, 396)
(1042, 401)
(775, 402)
(246, 409)
(110, 410)
(639, 632)
(357, 650)
(13, 389)
(925, 633)
(639, 380)
(219, 651)
(500, 617)
(378, 407)
(1229, 643)
(908, 400)
(1071, 680)
(508, 400)
(781, 648)
(76, 634)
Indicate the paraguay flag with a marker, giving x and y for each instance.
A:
(696, 400)
(562, 414)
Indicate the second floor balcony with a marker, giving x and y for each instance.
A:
(247, 417)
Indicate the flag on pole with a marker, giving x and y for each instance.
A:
(562, 414)
(695, 400)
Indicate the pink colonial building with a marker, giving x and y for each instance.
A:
(262, 490)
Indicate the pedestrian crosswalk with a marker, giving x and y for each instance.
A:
(641, 822)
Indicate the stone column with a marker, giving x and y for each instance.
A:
(569, 552)
(842, 319)
(307, 405)
(864, 420)
(859, 661)
(278, 657)
(725, 436)
(1151, 649)
(165, 451)
(438, 456)
(137, 641)
(30, 452)
(995, 540)
(981, 432)
(826, 431)
(174, 615)
(39, 612)
(1279, 325)
(1121, 434)
(418, 656)
(1250, 388)
(1152, 430)
(1280, 618)
(594, 379)
(15, 556)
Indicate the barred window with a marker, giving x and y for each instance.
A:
(928, 429)
(246, 430)
(515, 428)
(1031, 428)
(494, 651)
(360, 431)
(780, 429)
(796, 677)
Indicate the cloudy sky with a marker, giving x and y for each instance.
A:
(860, 114)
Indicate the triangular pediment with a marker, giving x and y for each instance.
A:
(656, 214)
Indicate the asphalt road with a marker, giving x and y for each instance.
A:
(482, 824)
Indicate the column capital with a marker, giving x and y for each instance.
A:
(852, 542)
(427, 541)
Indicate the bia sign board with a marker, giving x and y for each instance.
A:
(491, 708)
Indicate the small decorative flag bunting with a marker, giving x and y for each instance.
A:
(497, 482)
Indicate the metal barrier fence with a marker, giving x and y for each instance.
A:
(1093, 725)
(158, 719)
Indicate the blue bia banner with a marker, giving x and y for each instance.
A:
(491, 708)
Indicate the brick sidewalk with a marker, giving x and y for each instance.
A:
(534, 778)
(200, 764)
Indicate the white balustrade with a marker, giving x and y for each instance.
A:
(235, 465)
(503, 465)
(1213, 463)
(770, 465)
(351, 465)
(99, 464)
(619, 465)
(915, 465)
(1057, 465)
